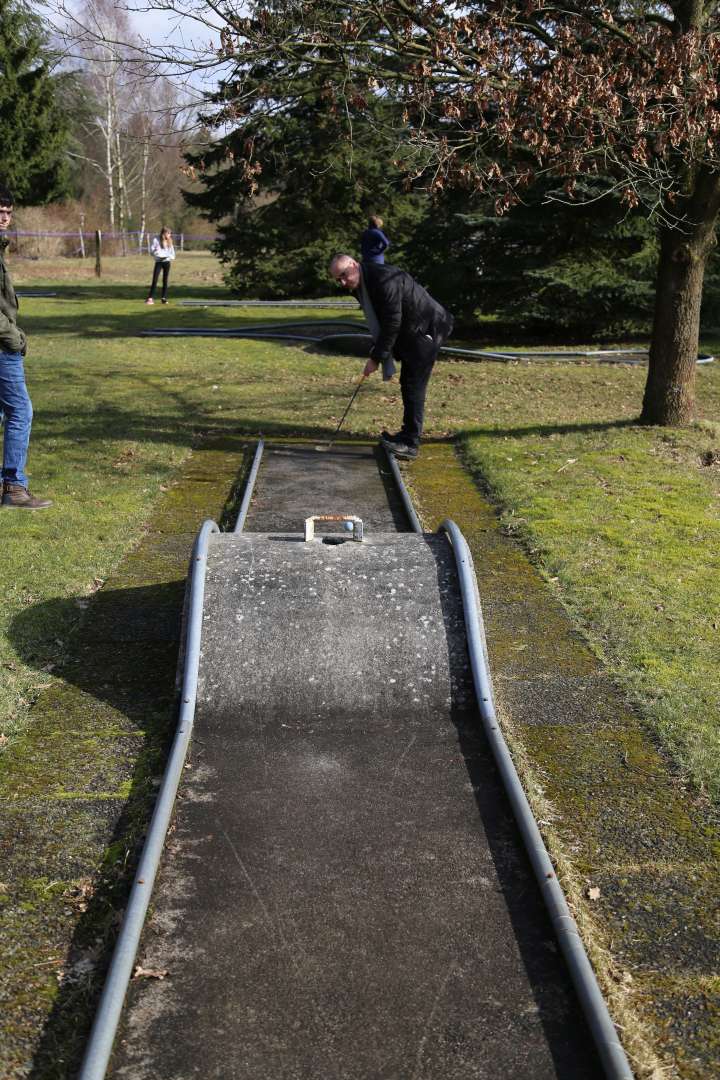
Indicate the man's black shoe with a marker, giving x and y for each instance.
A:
(402, 450)
(392, 440)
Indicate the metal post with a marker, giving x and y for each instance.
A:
(98, 253)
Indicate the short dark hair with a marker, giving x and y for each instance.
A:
(6, 198)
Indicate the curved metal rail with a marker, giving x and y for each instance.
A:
(612, 1055)
(249, 488)
(412, 517)
(593, 1004)
(102, 1036)
(100, 1045)
(107, 1018)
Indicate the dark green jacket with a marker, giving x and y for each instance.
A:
(12, 338)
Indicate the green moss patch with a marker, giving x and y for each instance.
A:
(616, 815)
(77, 786)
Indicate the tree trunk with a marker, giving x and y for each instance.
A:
(123, 208)
(143, 188)
(670, 388)
(110, 172)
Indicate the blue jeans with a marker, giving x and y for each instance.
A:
(16, 409)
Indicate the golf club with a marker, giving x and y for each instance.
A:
(324, 449)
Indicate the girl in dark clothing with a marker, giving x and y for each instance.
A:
(373, 242)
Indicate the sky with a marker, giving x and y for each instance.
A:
(167, 31)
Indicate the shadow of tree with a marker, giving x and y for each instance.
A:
(103, 730)
(119, 678)
(521, 431)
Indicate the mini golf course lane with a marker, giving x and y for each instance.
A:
(344, 894)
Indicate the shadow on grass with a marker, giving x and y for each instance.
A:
(121, 676)
(118, 290)
(103, 326)
(115, 719)
(545, 430)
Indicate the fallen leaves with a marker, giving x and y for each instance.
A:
(125, 458)
(79, 894)
(149, 973)
(593, 892)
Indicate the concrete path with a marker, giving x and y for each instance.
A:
(344, 894)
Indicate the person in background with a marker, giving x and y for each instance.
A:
(15, 405)
(163, 252)
(373, 242)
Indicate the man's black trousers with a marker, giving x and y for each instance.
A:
(417, 353)
(416, 364)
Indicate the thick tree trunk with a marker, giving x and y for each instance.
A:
(670, 388)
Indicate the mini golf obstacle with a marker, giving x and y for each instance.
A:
(269, 303)
(350, 340)
(332, 906)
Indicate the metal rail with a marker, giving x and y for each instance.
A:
(249, 488)
(612, 1055)
(415, 523)
(100, 1045)
(270, 303)
(107, 1018)
(602, 356)
(102, 1036)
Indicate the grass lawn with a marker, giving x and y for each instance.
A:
(623, 520)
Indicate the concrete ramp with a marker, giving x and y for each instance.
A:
(343, 895)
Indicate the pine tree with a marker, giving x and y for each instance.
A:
(33, 128)
(321, 178)
(546, 267)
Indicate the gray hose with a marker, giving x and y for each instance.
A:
(107, 1018)
(612, 1055)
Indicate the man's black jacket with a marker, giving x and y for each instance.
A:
(406, 312)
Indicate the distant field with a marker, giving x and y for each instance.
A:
(624, 521)
(190, 268)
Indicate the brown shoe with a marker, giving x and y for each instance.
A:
(15, 495)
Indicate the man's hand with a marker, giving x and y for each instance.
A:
(370, 367)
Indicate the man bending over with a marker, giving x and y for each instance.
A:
(404, 322)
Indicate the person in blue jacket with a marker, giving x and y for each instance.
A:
(373, 242)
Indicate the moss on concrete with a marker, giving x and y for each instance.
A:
(76, 790)
(615, 815)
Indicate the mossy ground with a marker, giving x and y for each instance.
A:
(616, 815)
(76, 787)
(621, 520)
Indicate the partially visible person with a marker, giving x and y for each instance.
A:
(15, 404)
(373, 242)
(163, 252)
(405, 322)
